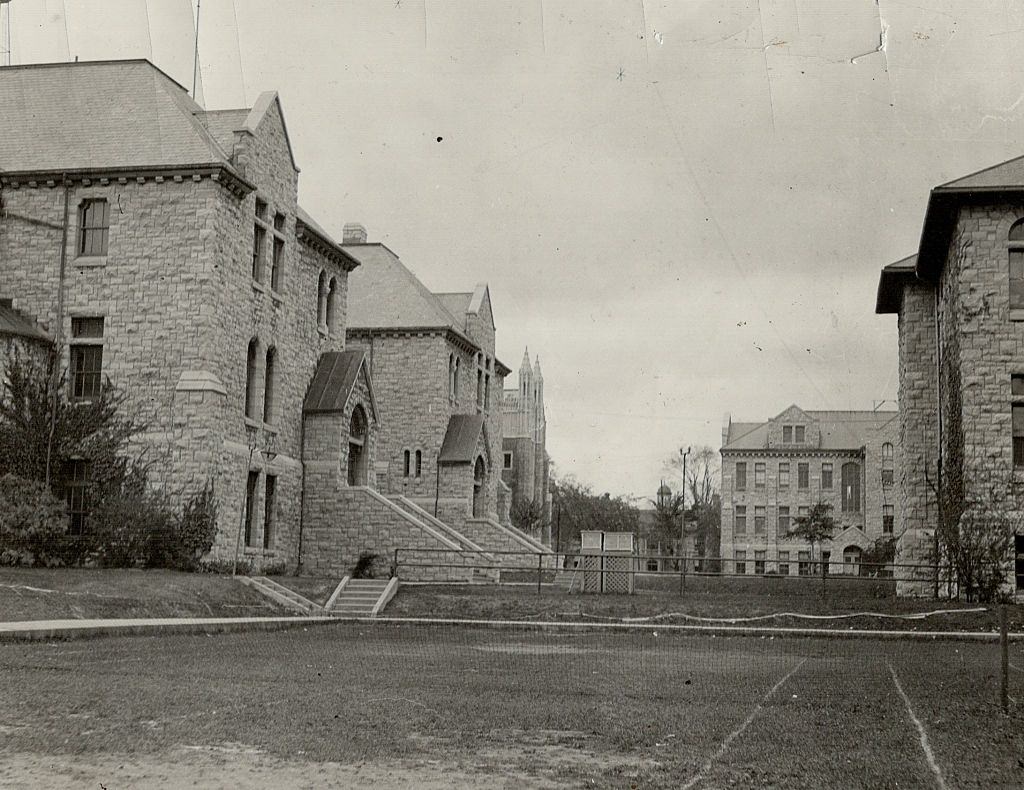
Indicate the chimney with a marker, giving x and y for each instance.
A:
(353, 233)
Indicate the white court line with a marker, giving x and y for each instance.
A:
(739, 730)
(920, 729)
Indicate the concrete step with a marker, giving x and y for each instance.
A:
(363, 597)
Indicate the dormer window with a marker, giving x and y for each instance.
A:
(794, 434)
(787, 434)
(799, 432)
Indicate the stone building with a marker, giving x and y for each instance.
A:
(20, 336)
(438, 382)
(960, 307)
(774, 471)
(164, 247)
(526, 465)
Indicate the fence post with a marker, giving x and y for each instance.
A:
(540, 565)
(824, 575)
(683, 579)
(1004, 639)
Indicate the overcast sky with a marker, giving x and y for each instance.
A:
(682, 206)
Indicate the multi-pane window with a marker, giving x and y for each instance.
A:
(740, 520)
(804, 563)
(826, 475)
(93, 226)
(251, 484)
(741, 476)
(1016, 254)
(740, 561)
(277, 257)
(758, 519)
(799, 434)
(784, 474)
(784, 563)
(270, 512)
(759, 557)
(851, 488)
(259, 236)
(1017, 391)
(758, 475)
(783, 520)
(888, 519)
(802, 511)
(86, 357)
(787, 434)
(887, 464)
(802, 476)
(76, 487)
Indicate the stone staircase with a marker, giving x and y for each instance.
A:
(569, 579)
(282, 595)
(361, 597)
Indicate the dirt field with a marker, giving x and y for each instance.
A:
(424, 706)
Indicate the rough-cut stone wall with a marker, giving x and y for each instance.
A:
(522, 475)
(793, 416)
(180, 306)
(918, 421)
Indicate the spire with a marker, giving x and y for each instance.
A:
(536, 370)
(526, 361)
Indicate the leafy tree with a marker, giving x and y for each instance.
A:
(527, 516)
(817, 526)
(704, 517)
(881, 552)
(578, 508)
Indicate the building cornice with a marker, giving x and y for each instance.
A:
(453, 337)
(780, 452)
(219, 172)
(316, 241)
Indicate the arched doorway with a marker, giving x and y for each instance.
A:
(851, 560)
(357, 448)
(479, 473)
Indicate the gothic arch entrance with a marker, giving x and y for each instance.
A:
(357, 448)
(479, 474)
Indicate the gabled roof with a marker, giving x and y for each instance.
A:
(384, 294)
(14, 322)
(100, 115)
(335, 377)
(840, 430)
(457, 304)
(461, 438)
(891, 282)
(260, 109)
(1005, 175)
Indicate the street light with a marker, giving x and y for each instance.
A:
(682, 516)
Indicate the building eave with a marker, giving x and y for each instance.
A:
(221, 172)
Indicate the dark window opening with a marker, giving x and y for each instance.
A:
(270, 512)
(93, 227)
(250, 505)
(76, 488)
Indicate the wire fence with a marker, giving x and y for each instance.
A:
(631, 572)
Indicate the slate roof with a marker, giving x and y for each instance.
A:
(14, 322)
(457, 304)
(840, 430)
(100, 115)
(384, 294)
(222, 125)
(891, 282)
(460, 440)
(336, 374)
(1005, 175)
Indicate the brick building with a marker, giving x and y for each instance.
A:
(526, 465)
(960, 307)
(774, 471)
(191, 279)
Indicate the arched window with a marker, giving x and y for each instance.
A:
(333, 295)
(251, 368)
(357, 448)
(1015, 243)
(407, 457)
(419, 463)
(451, 377)
(851, 488)
(269, 374)
(455, 385)
(888, 468)
(479, 475)
(321, 300)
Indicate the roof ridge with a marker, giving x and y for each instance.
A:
(996, 166)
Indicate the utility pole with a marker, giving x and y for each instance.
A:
(5, 32)
(682, 515)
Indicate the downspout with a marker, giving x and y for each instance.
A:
(938, 421)
(302, 493)
(437, 483)
(59, 331)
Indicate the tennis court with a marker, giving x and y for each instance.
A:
(399, 705)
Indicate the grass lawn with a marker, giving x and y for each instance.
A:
(504, 602)
(63, 594)
(442, 706)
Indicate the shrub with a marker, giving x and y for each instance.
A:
(197, 529)
(33, 522)
(134, 526)
(224, 566)
(365, 566)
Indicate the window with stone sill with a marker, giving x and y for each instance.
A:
(93, 227)
(277, 254)
(86, 357)
(741, 476)
(1015, 253)
(1017, 420)
(740, 520)
(270, 512)
(759, 475)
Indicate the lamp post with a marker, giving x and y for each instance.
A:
(682, 515)
(251, 436)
